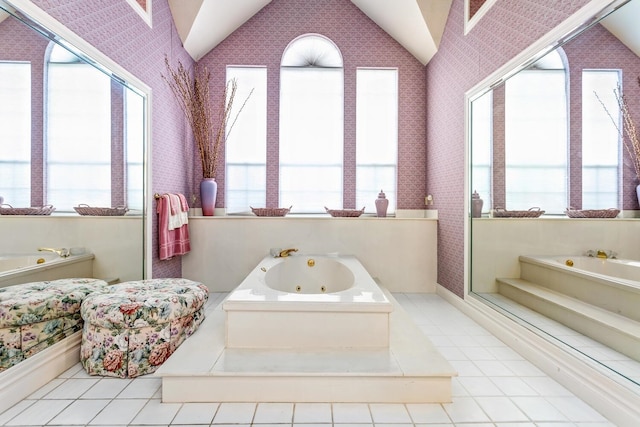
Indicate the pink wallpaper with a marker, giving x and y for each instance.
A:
(435, 167)
(462, 61)
(114, 28)
(261, 41)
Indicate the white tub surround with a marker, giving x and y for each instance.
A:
(401, 252)
(329, 302)
(25, 268)
(611, 284)
(574, 291)
(355, 344)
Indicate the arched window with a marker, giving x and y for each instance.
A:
(536, 155)
(311, 125)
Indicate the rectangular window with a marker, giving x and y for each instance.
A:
(376, 136)
(78, 136)
(536, 138)
(246, 148)
(134, 145)
(600, 139)
(481, 147)
(15, 133)
(311, 138)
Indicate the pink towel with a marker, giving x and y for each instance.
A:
(170, 242)
(178, 216)
(183, 202)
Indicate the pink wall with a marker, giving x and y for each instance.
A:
(261, 41)
(461, 62)
(114, 28)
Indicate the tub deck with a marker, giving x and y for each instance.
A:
(258, 316)
(410, 370)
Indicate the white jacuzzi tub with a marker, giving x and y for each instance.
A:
(307, 301)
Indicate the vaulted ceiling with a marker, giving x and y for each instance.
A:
(416, 24)
(625, 25)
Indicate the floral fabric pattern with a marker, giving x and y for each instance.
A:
(35, 315)
(130, 329)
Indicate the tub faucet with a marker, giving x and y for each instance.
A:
(286, 252)
(601, 254)
(63, 252)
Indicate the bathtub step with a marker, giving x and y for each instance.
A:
(410, 370)
(616, 331)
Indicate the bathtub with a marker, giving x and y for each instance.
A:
(38, 266)
(307, 301)
(611, 284)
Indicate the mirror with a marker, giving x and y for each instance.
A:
(76, 129)
(474, 10)
(543, 136)
(108, 159)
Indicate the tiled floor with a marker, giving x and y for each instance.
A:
(495, 387)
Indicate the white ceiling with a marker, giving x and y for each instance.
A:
(416, 24)
(623, 24)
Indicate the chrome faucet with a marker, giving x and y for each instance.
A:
(63, 252)
(286, 252)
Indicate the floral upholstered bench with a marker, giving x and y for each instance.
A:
(36, 315)
(131, 328)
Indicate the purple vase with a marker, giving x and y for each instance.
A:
(208, 193)
(382, 203)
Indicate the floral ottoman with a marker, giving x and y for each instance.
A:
(36, 315)
(133, 327)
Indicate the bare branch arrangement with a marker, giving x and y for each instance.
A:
(193, 96)
(629, 128)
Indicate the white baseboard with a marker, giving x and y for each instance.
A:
(616, 401)
(26, 377)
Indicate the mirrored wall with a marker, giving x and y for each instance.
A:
(73, 131)
(546, 154)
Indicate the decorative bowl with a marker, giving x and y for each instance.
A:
(271, 211)
(84, 209)
(592, 213)
(344, 213)
(531, 213)
(10, 210)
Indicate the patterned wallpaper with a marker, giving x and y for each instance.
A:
(436, 167)
(461, 62)
(114, 28)
(261, 41)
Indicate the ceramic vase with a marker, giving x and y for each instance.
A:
(208, 193)
(476, 205)
(382, 203)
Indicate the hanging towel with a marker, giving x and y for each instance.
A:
(170, 242)
(178, 216)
